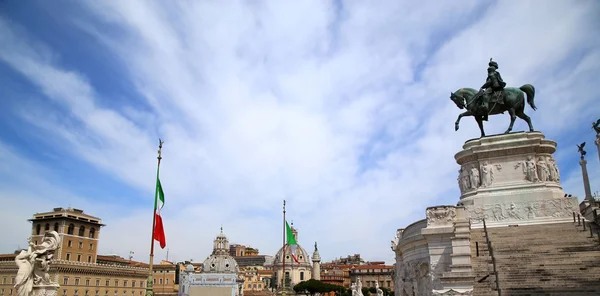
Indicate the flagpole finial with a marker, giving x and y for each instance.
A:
(160, 143)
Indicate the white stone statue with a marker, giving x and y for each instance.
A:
(474, 177)
(463, 180)
(553, 168)
(359, 287)
(542, 168)
(377, 290)
(551, 171)
(34, 264)
(530, 170)
(487, 174)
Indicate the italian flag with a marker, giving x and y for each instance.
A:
(159, 231)
(291, 241)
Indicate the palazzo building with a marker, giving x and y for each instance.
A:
(79, 269)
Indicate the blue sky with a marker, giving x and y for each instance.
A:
(340, 107)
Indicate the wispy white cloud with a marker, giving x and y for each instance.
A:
(344, 111)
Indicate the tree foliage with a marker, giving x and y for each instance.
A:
(313, 286)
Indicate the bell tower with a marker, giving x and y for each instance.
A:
(79, 233)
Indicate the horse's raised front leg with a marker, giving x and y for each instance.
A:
(526, 118)
(511, 112)
(467, 113)
(479, 120)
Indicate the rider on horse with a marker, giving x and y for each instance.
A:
(494, 87)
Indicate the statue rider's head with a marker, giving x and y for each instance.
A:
(493, 64)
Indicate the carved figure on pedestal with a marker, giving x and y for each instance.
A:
(552, 170)
(353, 289)
(581, 150)
(542, 168)
(377, 290)
(440, 216)
(459, 179)
(34, 264)
(474, 177)
(465, 183)
(358, 287)
(513, 212)
(498, 213)
(596, 127)
(530, 170)
(487, 174)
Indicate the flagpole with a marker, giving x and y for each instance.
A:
(283, 258)
(149, 281)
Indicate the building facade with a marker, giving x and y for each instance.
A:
(370, 274)
(219, 276)
(78, 268)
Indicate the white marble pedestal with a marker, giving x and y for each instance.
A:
(512, 179)
(45, 290)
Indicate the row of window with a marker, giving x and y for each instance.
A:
(97, 293)
(287, 275)
(254, 286)
(12, 280)
(89, 258)
(70, 229)
(370, 284)
(107, 283)
(386, 270)
(70, 245)
(160, 281)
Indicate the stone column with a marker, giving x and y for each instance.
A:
(598, 144)
(586, 179)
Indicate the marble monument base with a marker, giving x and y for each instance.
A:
(512, 179)
(45, 290)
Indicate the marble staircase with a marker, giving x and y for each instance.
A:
(545, 259)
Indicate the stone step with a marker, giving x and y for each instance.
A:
(549, 259)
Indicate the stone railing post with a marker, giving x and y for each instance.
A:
(586, 179)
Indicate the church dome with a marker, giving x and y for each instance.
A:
(301, 255)
(220, 261)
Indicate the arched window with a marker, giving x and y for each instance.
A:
(47, 227)
(81, 230)
(38, 228)
(71, 229)
(92, 232)
(56, 227)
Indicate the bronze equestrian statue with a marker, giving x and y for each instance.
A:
(493, 93)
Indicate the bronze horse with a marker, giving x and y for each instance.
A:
(514, 103)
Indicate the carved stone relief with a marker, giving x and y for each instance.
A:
(440, 216)
(474, 177)
(513, 211)
(553, 170)
(464, 182)
(542, 170)
(487, 174)
(529, 169)
(397, 238)
(453, 293)
(414, 278)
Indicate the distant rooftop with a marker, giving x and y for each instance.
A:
(69, 213)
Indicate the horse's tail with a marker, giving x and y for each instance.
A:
(530, 91)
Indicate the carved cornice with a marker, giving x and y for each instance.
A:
(505, 145)
(63, 266)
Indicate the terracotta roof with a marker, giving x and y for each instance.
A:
(373, 266)
(7, 257)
